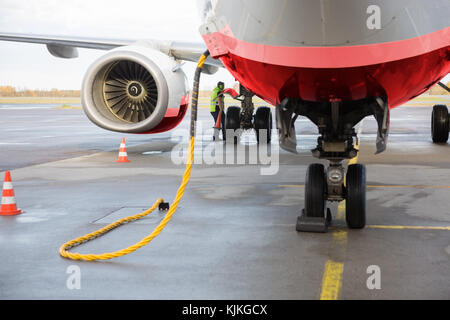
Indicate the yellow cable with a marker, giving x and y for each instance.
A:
(63, 250)
(201, 61)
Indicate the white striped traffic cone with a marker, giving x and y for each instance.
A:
(123, 156)
(8, 207)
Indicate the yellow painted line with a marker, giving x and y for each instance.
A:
(417, 106)
(292, 185)
(340, 236)
(408, 227)
(340, 215)
(378, 186)
(333, 274)
(332, 280)
(409, 186)
(443, 98)
(67, 107)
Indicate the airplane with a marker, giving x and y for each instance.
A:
(334, 62)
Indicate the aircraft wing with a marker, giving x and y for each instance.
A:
(66, 46)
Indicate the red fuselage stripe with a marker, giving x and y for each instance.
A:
(335, 57)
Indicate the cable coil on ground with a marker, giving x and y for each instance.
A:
(63, 251)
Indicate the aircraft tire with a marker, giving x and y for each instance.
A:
(315, 186)
(355, 214)
(439, 123)
(233, 119)
(263, 121)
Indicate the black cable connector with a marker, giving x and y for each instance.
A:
(163, 206)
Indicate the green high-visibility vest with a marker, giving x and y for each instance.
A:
(215, 100)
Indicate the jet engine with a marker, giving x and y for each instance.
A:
(135, 89)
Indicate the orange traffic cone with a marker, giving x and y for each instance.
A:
(123, 156)
(8, 207)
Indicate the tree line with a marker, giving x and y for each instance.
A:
(9, 91)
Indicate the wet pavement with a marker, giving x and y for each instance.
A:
(233, 235)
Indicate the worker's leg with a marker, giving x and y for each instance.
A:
(224, 134)
(215, 114)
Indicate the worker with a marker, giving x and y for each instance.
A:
(216, 97)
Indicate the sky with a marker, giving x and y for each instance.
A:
(31, 66)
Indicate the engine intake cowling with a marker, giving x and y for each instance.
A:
(135, 89)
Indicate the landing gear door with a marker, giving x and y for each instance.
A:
(286, 128)
(383, 119)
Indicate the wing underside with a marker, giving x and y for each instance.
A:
(66, 46)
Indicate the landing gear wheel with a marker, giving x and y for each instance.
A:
(439, 124)
(263, 122)
(313, 217)
(315, 201)
(233, 120)
(355, 214)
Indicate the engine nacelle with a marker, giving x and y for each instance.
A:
(135, 89)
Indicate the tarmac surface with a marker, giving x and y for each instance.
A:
(233, 235)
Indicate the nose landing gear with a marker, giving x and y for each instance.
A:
(321, 187)
(336, 121)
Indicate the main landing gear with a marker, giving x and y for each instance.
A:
(440, 121)
(242, 118)
(336, 121)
